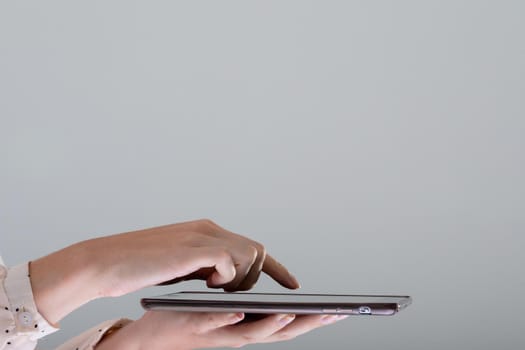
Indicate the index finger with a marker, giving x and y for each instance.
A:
(279, 273)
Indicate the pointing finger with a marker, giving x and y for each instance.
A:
(279, 273)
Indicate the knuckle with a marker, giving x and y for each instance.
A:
(252, 251)
(207, 223)
(261, 249)
(193, 239)
(259, 246)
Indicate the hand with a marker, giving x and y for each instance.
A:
(197, 249)
(163, 330)
(123, 263)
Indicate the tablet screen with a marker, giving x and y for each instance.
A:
(272, 298)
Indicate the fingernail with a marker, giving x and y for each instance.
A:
(329, 319)
(286, 319)
(237, 316)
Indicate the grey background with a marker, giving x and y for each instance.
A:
(374, 147)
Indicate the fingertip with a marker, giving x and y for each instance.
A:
(239, 316)
(292, 282)
(283, 320)
(329, 319)
(215, 280)
(218, 279)
(279, 273)
(295, 282)
(234, 318)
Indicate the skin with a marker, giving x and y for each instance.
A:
(155, 330)
(116, 265)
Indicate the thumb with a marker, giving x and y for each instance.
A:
(218, 258)
(224, 271)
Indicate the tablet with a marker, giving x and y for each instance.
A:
(279, 303)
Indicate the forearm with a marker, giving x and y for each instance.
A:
(63, 281)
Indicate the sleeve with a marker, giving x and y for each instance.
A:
(21, 325)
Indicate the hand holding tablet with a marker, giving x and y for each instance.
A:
(214, 319)
(203, 250)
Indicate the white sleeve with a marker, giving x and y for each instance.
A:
(21, 325)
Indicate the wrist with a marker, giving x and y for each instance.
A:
(120, 337)
(63, 281)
